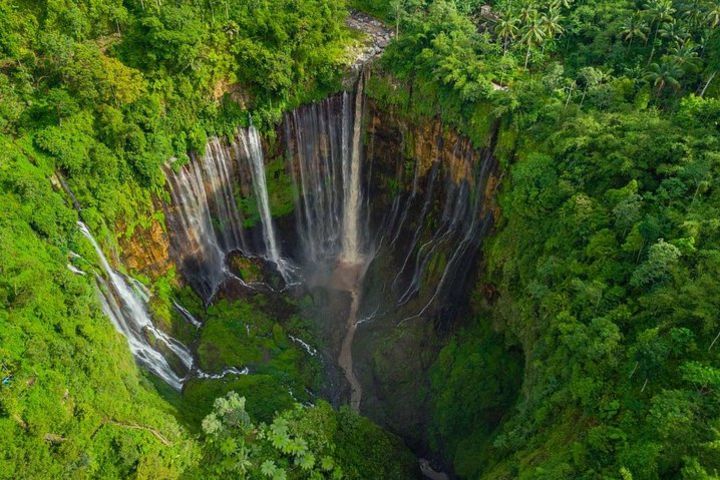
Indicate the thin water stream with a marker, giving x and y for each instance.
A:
(127, 308)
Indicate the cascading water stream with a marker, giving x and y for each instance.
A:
(209, 223)
(252, 148)
(191, 221)
(351, 248)
(187, 315)
(129, 315)
(126, 306)
(315, 146)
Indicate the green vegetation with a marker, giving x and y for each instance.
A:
(72, 402)
(241, 334)
(605, 258)
(281, 194)
(281, 190)
(604, 268)
(112, 90)
(100, 94)
(473, 404)
(302, 442)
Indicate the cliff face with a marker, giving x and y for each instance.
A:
(147, 250)
(429, 200)
(432, 201)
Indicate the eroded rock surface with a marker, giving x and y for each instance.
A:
(378, 37)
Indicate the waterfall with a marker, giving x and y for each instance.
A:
(252, 149)
(401, 236)
(205, 216)
(429, 231)
(196, 239)
(324, 142)
(351, 182)
(129, 315)
(126, 306)
(463, 224)
(187, 315)
(315, 143)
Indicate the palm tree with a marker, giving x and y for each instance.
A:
(685, 55)
(673, 31)
(527, 14)
(634, 27)
(660, 12)
(666, 73)
(714, 16)
(550, 23)
(534, 35)
(506, 30)
(694, 12)
(561, 3)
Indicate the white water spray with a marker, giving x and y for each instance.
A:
(351, 183)
(250, 141)
(127, 309)
(130, 317)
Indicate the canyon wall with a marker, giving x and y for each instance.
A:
(433, 202)
(423, 203)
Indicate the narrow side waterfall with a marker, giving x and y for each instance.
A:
(126, 306)
(187, 315)
(129, 316)
(252, 149)
(443, 229)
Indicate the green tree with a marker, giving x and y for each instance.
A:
(507, 30)
(534, 32)
(667, 73)
(635, 27)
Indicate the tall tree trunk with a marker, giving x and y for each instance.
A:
(652, 51)
(527, 56)
(707, 84)
(570, 92)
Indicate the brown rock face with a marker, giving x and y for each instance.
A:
(234, 90)
(418, 165)
(435, 143)
(147, 250)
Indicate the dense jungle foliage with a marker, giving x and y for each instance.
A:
(99, 95)
(598, 302)
(604, 268)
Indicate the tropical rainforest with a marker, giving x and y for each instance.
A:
(363, 239)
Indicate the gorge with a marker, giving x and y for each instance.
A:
(359, 239)
(383, 233)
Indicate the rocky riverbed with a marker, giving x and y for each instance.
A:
(378, 36)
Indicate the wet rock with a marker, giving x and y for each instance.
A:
(378, 37)
(146, 250)
(256, 272)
